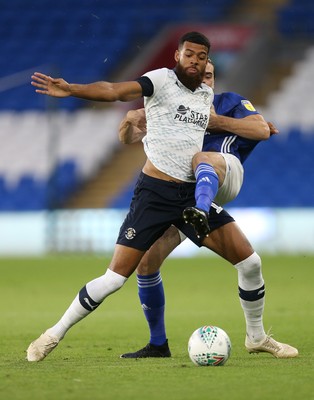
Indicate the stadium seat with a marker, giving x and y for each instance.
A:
(28, 195)
(90, 46)
(295, 19)
(79, 47)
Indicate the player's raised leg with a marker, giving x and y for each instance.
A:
(207, 184)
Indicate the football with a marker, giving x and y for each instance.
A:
(209, 346)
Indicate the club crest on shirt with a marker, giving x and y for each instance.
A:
(130, 233)
(206, 98)
(248, 105)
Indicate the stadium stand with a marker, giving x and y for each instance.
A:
(44, 160)
(292, 105)
(296, 19)
(82, 41)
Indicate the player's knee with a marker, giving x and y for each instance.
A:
(113, 281)
(148, 266)
(200, 157)
(98, 289)
(252, 265)
(212, 158)
(250, 272)
(110, 282)
(143, 267)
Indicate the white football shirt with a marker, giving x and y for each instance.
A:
(176, 122)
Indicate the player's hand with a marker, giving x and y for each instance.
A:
(138, 119)
(132, 128)
(273, 130)
(50, 86)
(212, 112)
(212, 122)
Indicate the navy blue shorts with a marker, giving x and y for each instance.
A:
(158, 204)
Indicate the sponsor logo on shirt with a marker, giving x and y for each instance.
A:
(185, 114)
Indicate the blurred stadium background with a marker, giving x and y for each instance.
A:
(66, 182)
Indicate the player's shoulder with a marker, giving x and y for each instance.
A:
(158, 77)
(231, 100)
(157, 73)
(230, 96)
(207, 88)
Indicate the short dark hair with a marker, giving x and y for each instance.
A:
(210, 61)
(194, 37)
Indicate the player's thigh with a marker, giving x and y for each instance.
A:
(125, 260)
(229, 242)
(159, 251)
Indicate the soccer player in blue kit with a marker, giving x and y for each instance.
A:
(225, 150)
(177, 108)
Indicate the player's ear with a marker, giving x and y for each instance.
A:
(176, 55)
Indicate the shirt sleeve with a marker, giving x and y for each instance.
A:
(243, 107)
(157, 78)
(147, 86)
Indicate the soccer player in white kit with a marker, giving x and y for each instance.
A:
(232, 136)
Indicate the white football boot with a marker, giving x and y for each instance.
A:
(270, 345)
(41, 347)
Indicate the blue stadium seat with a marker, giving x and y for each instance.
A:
(28, 195)
(296, 19)
(3, 193)
(42, 33)
(63, 183)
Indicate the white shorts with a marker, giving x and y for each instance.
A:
(233, 180)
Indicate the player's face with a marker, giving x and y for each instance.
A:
(191, 61)
(209, 77)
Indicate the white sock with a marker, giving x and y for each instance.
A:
(96, 291)
(253, 312)
(251, 284)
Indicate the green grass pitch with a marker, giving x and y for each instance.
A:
(199, 291)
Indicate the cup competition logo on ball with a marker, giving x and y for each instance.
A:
(209, 346)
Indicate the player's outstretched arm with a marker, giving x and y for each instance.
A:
(132, 128)
(97, 91)
(251, 127)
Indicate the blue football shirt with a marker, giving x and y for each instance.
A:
(235, 106)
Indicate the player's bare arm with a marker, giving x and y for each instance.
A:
(97, 91)
(132, 128)
(251, 127)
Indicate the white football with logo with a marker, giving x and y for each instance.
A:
(209, 346)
